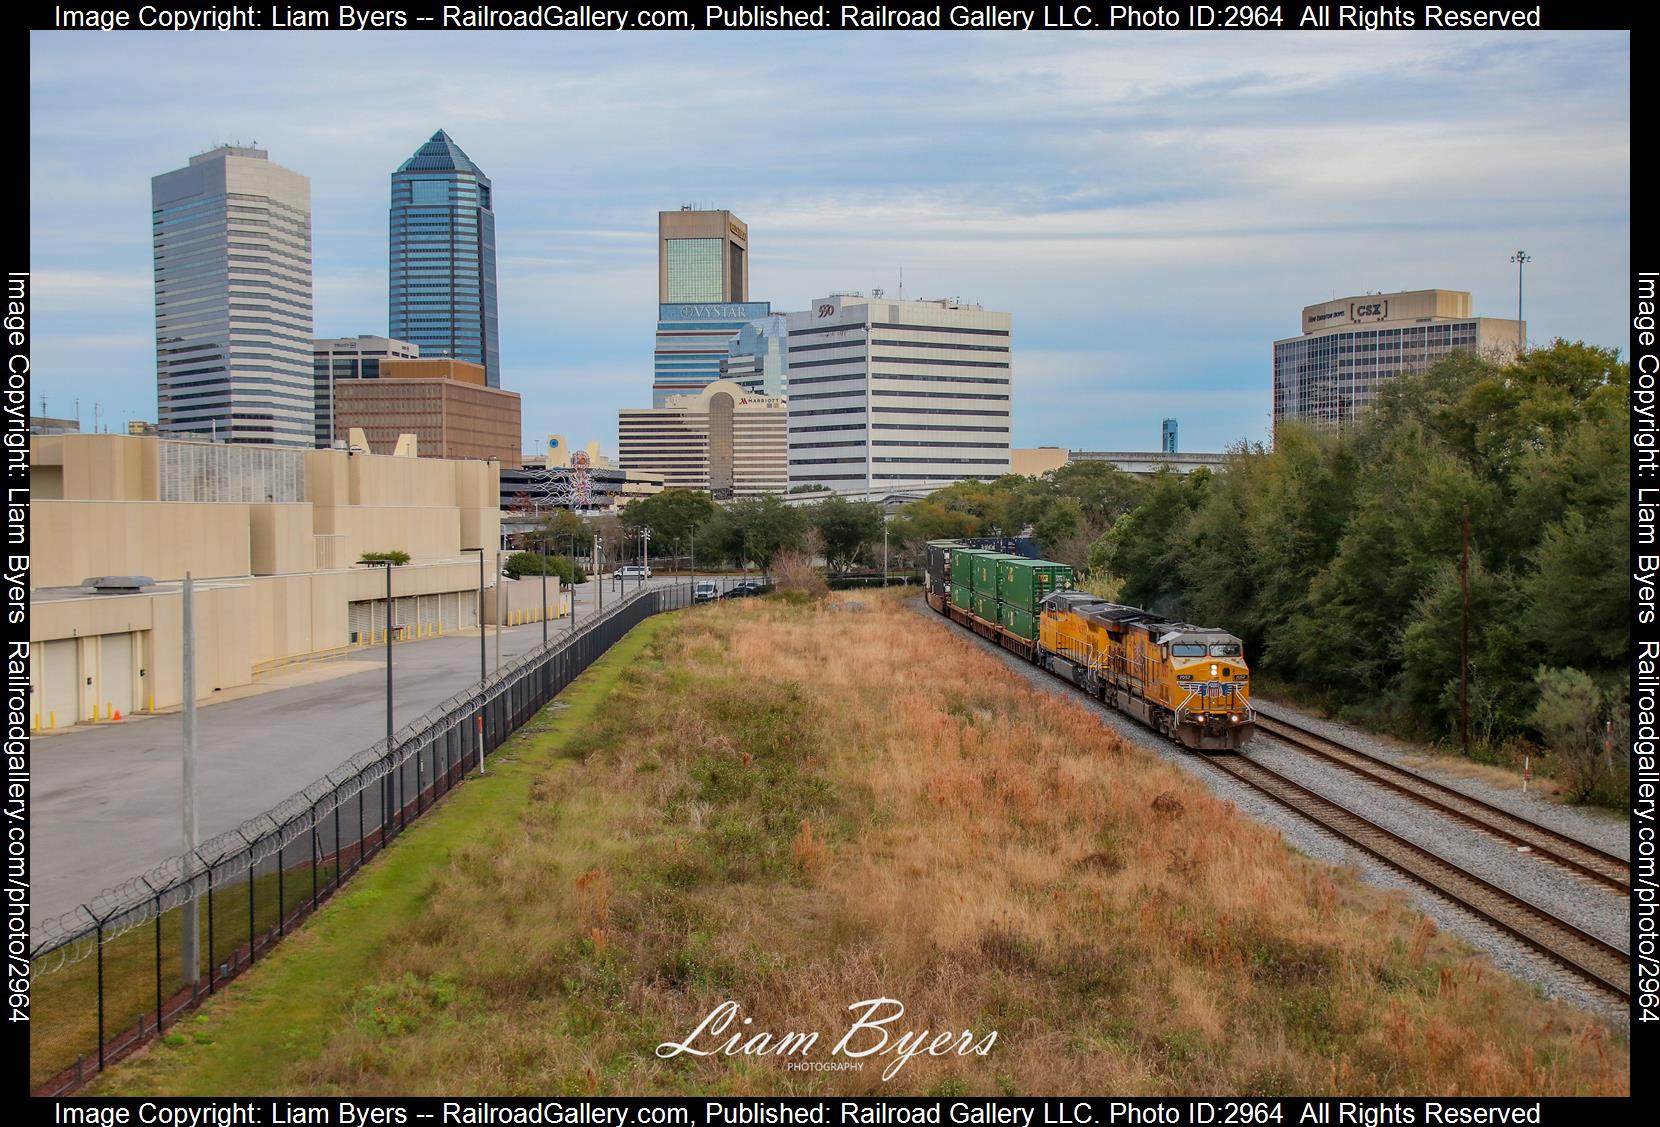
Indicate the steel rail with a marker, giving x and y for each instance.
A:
(1597, 961)
(1547, 844)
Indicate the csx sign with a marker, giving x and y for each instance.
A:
(1368, 311)
(826, 310)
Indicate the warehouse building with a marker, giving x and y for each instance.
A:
(274, 535)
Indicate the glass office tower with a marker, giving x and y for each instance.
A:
(443, 257)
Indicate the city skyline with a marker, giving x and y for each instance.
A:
(1151, 213)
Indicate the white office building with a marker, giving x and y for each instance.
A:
(232, 240)
(884, 392)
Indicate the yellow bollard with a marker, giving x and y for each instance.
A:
(152, 703)
(52, 719)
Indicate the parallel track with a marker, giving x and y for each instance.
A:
(1597, 961)
(1547, 844)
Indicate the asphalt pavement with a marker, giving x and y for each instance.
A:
(106, 800)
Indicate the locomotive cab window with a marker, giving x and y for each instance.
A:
(1188, 649)
(1225, 649)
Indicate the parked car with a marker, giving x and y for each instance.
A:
(745, 588)
(632, 571)
(705, 591)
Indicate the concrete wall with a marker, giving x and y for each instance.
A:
(426, 532)
(280, 539)
(99, 467)
(72, 540)
(239, 625)
(520, 601)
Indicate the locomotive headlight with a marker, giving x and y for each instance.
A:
(1213, 671)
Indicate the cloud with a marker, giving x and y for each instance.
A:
(1153, 209)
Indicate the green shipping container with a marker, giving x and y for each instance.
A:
(1026, 583)
(961, 597)
(985, 572)
(962, 566)
(986, 606)
(1021, 622)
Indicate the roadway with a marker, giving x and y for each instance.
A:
(106, 799)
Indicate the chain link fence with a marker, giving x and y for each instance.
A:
(111, 975)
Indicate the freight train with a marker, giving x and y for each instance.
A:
(1188, 682)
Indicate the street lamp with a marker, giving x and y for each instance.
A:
(1521, 258)
(544, 592)
(390, 747)
(645, 554)
(599, 578)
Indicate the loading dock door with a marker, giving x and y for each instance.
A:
(60, 683)
(115, 675)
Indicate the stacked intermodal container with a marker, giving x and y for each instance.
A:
(983, 582)
(962, 577)
(1022, 585)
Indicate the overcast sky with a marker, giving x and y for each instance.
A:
(1154, 209)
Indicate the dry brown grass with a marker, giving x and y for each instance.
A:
(799, 807)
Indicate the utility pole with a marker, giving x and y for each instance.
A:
(1521, 258)
(544, 592)
(599, 580)
(1464, 639)
(645, 555)
(884, 547)
(391, 615)
(189, 943)
(483, 672)
(499, 594)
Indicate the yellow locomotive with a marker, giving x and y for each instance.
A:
(1189, 682)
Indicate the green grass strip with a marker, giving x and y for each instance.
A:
(250, 1035)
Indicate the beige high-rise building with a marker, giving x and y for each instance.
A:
(723, 440)
(1350, 346)
(702, 256)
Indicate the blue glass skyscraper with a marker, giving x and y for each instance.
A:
(443, 257)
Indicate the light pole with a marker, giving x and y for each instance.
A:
(884, 547)
(544, 592)
(1521, 258)
(390, 615)
(599, 579)
(189, 945)
(645, 555)
(483, 672)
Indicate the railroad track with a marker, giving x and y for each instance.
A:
(1597, 961)
(1548, 845)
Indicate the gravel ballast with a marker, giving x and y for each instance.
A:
(1507, 953)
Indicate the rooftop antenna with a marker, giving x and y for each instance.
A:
(901, 283)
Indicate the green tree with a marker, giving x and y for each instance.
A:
(520, 564)
(753, 530)
(846, 528)
(674, 516)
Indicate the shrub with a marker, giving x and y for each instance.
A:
(797, 575)
(521, 564)
(1571, 715)
(396, 557)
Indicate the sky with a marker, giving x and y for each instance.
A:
(1154, 209)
